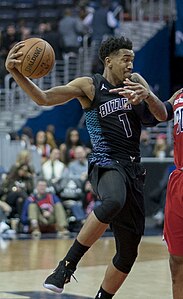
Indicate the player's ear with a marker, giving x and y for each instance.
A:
(108, 62)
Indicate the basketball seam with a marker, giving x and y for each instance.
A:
(53, 58)
(39, 61)
(26, 53)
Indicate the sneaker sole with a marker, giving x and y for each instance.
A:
(53, 288)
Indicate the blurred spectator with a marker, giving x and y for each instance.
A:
(103, 22)
(27, 137)
(28, 131)
(5, 229)
(103, 25)
(5, 210)
(53, 168)
(25, 32)
(70, 28)
(78, 168)
(158, 196)
(146, 148)
(160, 147)
(8, 38)
(50, 136)
(86, 14)
(49, 32)
(71, 191)
(19, 183)
(43, 209)
(42, 146)
(67, 149)
(14, 135)
(2, 176)
(91, 200)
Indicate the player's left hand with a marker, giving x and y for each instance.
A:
(14, 56)
(134, 92)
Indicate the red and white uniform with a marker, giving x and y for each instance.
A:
(173, 225)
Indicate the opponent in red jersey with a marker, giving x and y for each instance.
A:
(173, 225)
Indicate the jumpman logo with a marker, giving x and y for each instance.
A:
(132, 158)
(103, 87)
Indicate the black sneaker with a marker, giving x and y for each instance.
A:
(61, 275)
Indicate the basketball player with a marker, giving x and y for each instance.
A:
(115, 171)
(173, 223)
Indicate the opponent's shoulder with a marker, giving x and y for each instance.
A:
(174, 96)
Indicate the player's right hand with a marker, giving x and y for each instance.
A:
(13, 56)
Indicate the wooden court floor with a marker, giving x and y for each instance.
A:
(24, 264)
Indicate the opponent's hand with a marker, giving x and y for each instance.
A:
(14, 54)
(134, 92)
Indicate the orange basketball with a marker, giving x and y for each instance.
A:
(38, 58)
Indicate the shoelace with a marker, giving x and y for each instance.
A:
(68, 279)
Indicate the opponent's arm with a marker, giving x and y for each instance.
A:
(54, 96)
(169, 104)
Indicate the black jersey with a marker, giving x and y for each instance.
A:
(114, 130)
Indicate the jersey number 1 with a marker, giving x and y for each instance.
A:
(126, 125)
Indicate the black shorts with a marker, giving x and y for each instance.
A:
(128, 189)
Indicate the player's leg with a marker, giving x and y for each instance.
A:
(112, 192)
(126, 253)
(173, 231)
(176, 267)
(110, 185)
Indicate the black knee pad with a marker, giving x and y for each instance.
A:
(124, 264)
(126, 248)
(108, 210)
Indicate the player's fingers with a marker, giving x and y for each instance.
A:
(129, 82)
(17, 55)
(19, 45)
(127, 93)
(133, 100)
(116, 90)
(10, 64)
(127, 103)
(16, 48)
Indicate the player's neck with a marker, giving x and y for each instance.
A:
(112, 79)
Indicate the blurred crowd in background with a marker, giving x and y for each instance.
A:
(63, 175)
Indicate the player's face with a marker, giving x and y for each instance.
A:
(121, 64)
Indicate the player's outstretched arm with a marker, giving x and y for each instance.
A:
(54, 96)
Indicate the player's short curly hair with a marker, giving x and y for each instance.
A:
(112, 45)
